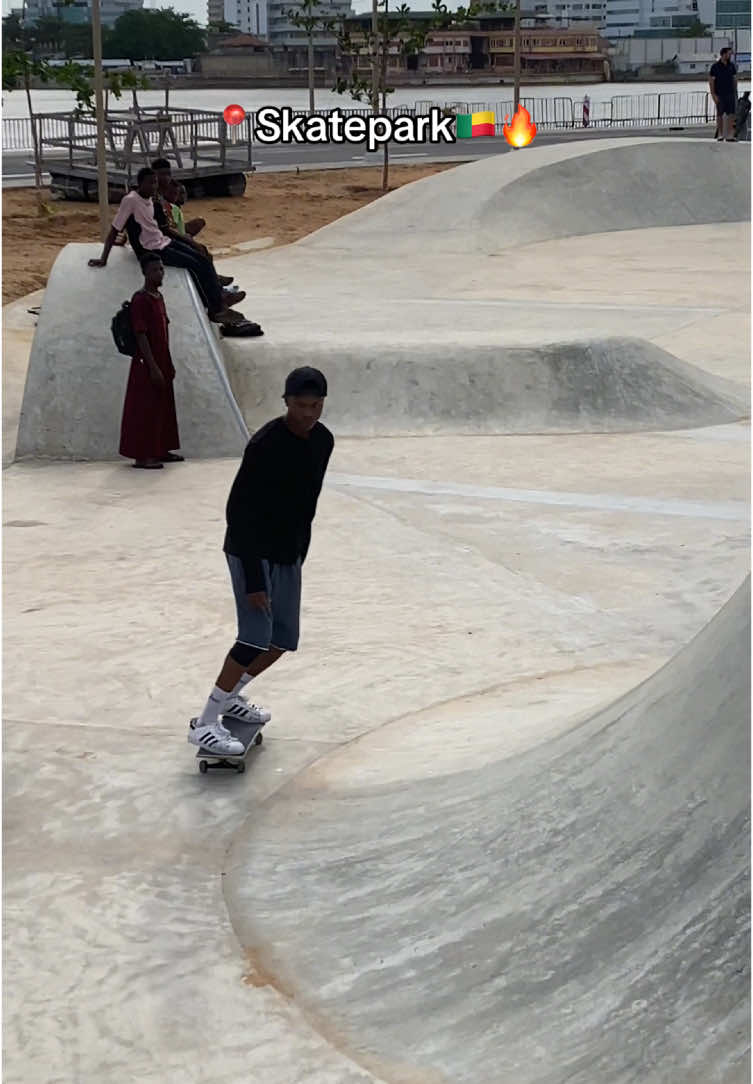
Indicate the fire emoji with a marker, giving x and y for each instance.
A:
(521, 132)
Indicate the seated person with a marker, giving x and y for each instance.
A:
(136, 214)
(169, 214)
(194, 225)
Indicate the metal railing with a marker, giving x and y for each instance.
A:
(549, 114)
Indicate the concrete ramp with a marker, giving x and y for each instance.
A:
(600, 385)
(546, 192)
(577, 913)
(76, 380)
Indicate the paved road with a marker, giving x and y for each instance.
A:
(18, 172)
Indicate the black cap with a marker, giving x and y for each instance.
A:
(306, 381)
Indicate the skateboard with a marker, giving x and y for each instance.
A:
(248, 733)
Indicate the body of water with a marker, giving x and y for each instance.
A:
(62, 101)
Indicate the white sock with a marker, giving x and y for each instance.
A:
(242, 683)
(213, 707)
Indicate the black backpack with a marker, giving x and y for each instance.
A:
(122, 331)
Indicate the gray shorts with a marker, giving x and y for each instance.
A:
(280, 626)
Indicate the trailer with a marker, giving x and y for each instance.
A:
(208, 156)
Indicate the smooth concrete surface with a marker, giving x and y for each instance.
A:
(577, 913)
(452, 304)
(461, 759)
(76, 378)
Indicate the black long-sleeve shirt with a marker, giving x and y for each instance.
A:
(273, 499)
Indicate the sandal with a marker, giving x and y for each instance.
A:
(147, 466)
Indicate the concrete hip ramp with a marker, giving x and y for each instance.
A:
(599, 385)
(579, 912)
(76, 379)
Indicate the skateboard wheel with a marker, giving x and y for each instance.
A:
(203, 767)
(241, 768)
(258, 739)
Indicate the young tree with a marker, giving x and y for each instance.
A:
(20, 69)
(308, 16)
(400, 30)
(390, 30)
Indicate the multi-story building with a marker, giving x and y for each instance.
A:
(549, 51)
(216, 12)
(282, 31)
(559, 13)
(732, 15)
(79, 11)
(447, 51)
(651, 18)
(248, 16)
(488, 42)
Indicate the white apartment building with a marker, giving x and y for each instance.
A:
(250, 16)
(283, 32)
(559, 13)
(269, 19)
(625, 17)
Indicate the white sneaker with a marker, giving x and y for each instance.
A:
(221, 729)
(214, 740)
(237, 707)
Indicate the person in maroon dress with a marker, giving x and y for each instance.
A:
(149, 429)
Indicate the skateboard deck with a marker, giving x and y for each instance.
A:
(250, 734)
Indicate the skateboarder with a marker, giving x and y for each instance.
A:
(269, 514)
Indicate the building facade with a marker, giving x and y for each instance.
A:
(248, 16)
(488, 43)
(550, 52)
(652, 18)
(733, 15)
(558, 13)
(79, 11)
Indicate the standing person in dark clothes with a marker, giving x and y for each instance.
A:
(270, 510)
(149, 429)
(723, 87)
(136, 215)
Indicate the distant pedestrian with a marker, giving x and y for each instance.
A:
(149, 429)
(723, 87)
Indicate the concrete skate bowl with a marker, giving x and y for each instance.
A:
(578, 913)
(404, 305)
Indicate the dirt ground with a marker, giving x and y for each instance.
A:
(285, 206)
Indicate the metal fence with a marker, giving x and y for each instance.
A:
(548, 114)
(622, 111)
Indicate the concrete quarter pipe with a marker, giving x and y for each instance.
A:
(577, 914)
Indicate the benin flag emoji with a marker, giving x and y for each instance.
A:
(470, 125)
